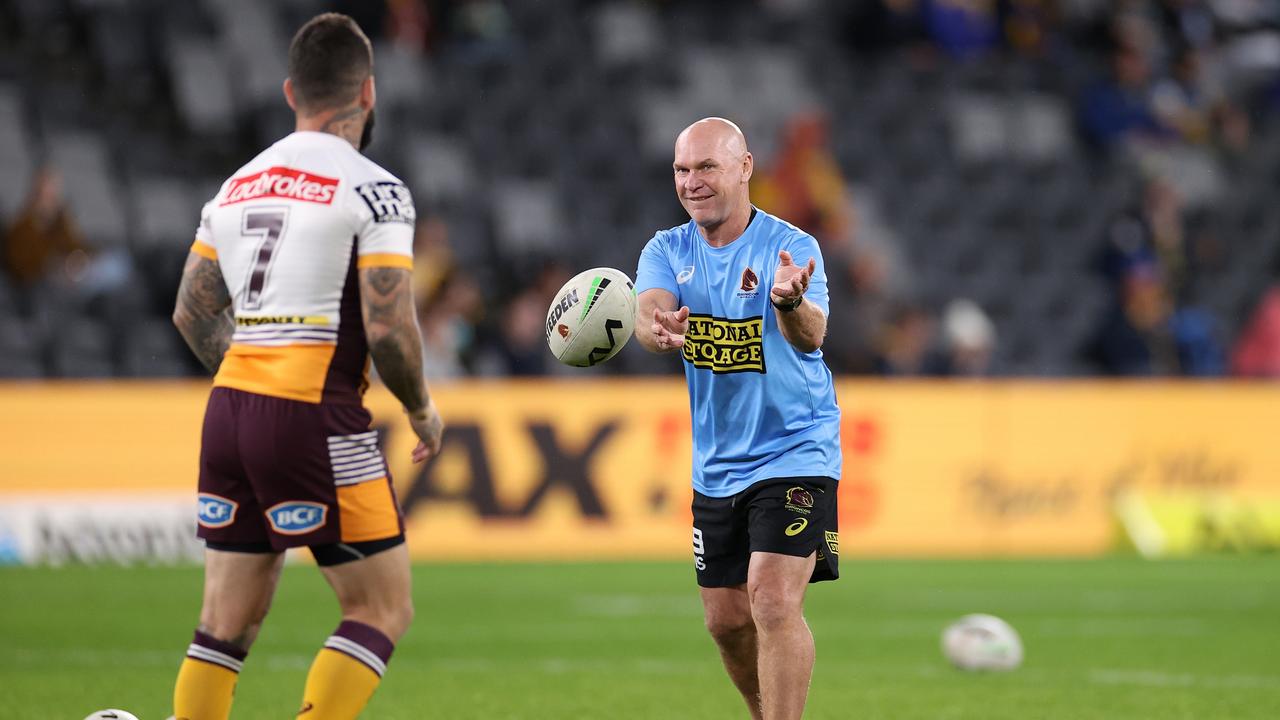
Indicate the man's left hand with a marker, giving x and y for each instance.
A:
(790, 281)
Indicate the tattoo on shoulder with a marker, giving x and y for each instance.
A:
(202, 285)
(384, 281)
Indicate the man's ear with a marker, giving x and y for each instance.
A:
(748, 166)
(288, 95)
(368, 93)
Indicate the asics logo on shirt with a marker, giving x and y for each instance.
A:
(685, 275)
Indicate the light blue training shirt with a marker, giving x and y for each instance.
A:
(761, 408)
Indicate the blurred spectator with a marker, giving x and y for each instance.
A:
(1144, 335)
(432, 255)
(1154, 232)
(970, 338)
(1117, 109)
(43, 242)
(963, 28)
(803, 185)
(880, 25)
(1030, 27)
(906, 345)
(1190, 21)
(409, 25)
(520, 347)
(867, 281)
(1257, 351)
(448, 319)
(1196, 107)
(480, 30)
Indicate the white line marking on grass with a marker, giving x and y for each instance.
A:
(1159, 678)
(638, 605)
(1116, 626)
(88, 657)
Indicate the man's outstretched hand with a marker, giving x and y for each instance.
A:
(669, 328)
(790, 281)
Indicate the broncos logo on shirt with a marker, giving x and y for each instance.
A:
(761, 408)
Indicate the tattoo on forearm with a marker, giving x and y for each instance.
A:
(391, 326)
(203, 312)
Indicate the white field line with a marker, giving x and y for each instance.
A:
(616, 606)
(66, 658)
(1159, 678)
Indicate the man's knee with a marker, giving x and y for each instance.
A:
(774, 608)
(391, 613)
(401, 615)
(239, 629)
(729, 626)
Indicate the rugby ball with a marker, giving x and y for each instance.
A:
(592, 317)
(982, 642)
(112, 715)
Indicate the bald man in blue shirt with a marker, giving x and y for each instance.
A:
(766, 427)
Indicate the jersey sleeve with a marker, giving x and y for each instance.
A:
(203, 245)
(802, 247)
(385, 219)
(654, 270)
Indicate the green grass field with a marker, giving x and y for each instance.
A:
(1114, 638)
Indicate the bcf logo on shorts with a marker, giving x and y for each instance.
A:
(297, 517)
(214, 511)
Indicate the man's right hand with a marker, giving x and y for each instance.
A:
(428, 426)
(670, 327)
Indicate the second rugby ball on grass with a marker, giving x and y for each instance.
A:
(592, 317)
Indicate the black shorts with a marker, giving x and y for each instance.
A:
(791, 516)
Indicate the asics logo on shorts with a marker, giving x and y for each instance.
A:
(214, 511)
(297, 517)
(797, 527)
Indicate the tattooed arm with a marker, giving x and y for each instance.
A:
(391, 327)
(202, 313)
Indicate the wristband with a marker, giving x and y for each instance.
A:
(788, 308)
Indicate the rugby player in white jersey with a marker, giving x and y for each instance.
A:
(299, 274)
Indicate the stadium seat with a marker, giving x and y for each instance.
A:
(82, 349)
(90, 186)
(527, 215)
(440, 168)
(201, 86)
(15, 152)
(154, 349)
(625, 32)
(20, 348)
(162, 212)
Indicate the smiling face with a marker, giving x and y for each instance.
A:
(712, 168)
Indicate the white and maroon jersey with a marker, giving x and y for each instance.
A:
(290, 230)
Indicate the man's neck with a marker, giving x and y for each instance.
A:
(729, 230)
(347, 123)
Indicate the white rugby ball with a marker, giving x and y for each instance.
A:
(592, 317)
(982, 642)
(112, 715)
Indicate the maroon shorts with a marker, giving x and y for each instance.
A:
(292, 474)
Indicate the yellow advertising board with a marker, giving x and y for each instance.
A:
(600, 468)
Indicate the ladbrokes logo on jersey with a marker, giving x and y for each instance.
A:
(725, 346)
(282, 182)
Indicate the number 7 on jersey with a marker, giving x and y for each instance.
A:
(269, 224)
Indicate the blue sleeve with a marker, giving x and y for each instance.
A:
(802, 247)
(654, 270)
